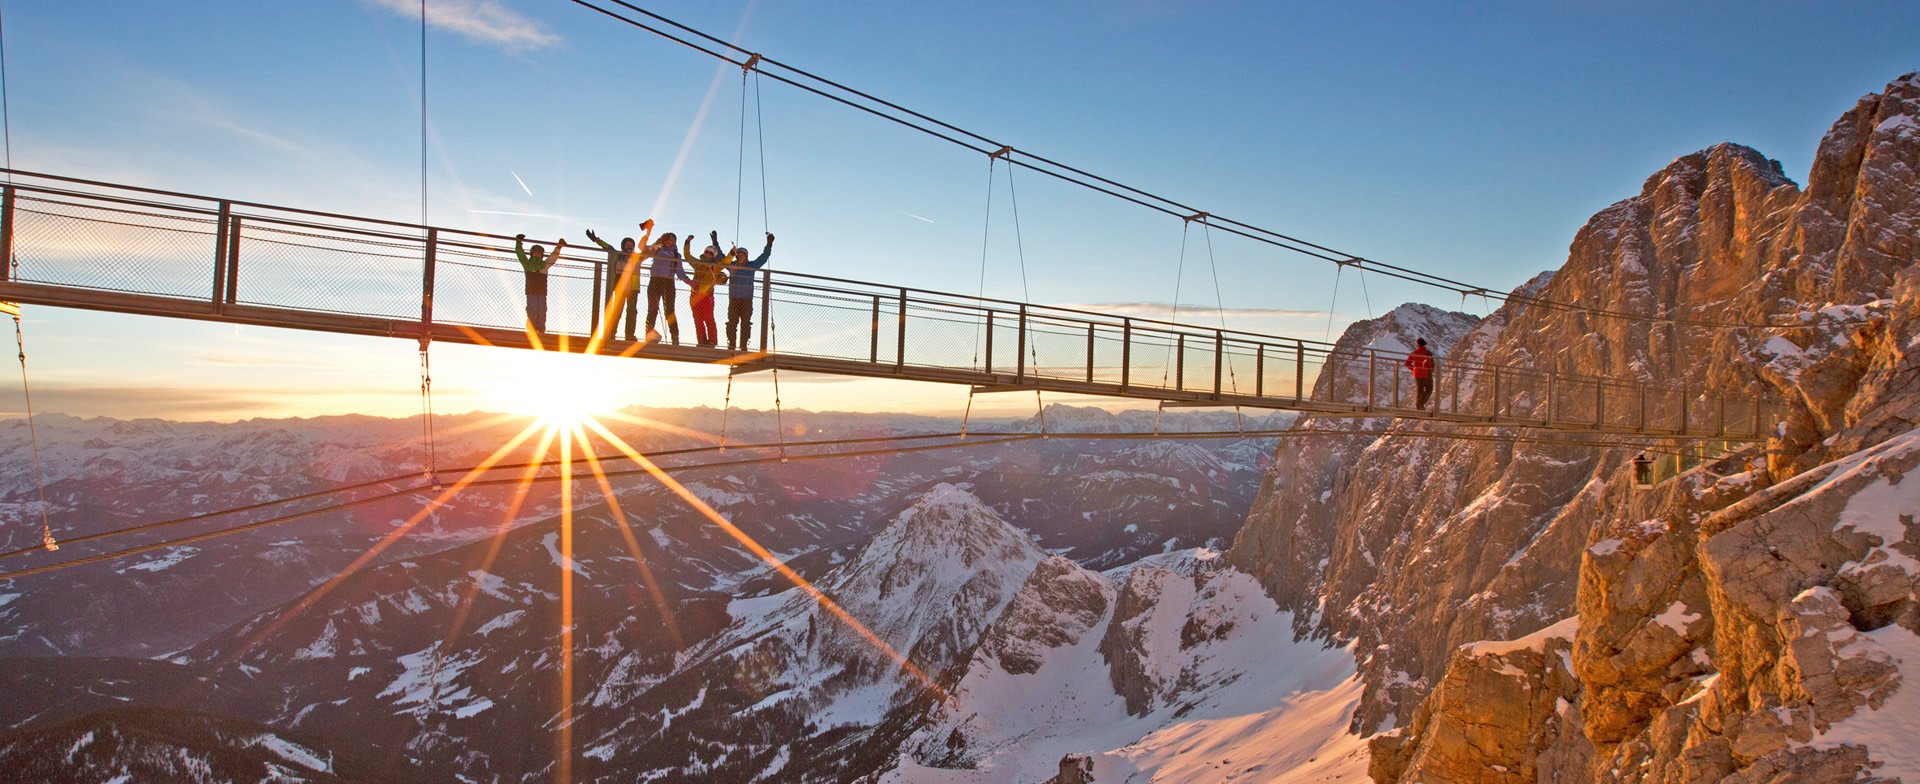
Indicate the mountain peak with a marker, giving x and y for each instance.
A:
(948, 522)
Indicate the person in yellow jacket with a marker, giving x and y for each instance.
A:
(709, 271)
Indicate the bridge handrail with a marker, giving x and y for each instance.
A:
(340, 227)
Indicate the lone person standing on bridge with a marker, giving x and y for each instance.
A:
(740, 279)
(623, 275)
(535, 265)
(1420, 362)
(665, 256)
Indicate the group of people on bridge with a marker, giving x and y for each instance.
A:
(662, 262)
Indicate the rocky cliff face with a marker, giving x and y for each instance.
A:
(1740, 621)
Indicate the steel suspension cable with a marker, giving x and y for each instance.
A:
(1649, 444)
(979, 143)
(6, 114)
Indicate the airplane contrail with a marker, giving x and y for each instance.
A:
(533, 215)
(523, 183)
(916, 217)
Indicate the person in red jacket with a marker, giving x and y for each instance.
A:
(1420, 362)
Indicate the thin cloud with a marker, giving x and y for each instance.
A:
(481, 21)
(916, 217)
(1168, 310)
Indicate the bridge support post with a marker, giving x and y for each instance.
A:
(873, 333)
(766, 307)
(900, 354)
(6, 234)
(1684, 400)
(1299, 371)
(1755, 432)
(232, 292)
(1373, 358)
(1089, 352)
(1642, 393)
(426, 290)
(1126, 353)
(1552, 392)
(988, 364)
(1455, 372)
(600, 302)
(1180, 362)
(1599, 404)
(220, 254)
(1396, 387)
(1495, 397)
(1020, 346)
(1720, 418)
(1259, 370)
(1219, 360)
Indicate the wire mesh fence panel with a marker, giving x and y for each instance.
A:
(939, 336)
(479, 289)
(1058, 350)
(282, 267)
(1108, 353)
(1153, 359)
(60, 242)
(571, 299)
(1197, 372)
(1237, 376)
(830, 326)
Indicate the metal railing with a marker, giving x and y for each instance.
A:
(198, 257)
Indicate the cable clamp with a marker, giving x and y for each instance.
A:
(1004, 152)
(1198, 216)
(1350, 261)
(753, 61)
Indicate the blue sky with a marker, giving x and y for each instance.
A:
(1471, 141)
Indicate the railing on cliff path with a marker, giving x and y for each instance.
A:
(95, 245)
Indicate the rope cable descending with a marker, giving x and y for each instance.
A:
(1026, 293)
(19, 335)
(1220, 302)
(33, 437)
(432, 708)
(986, 236)
(1166, 367)
(426, 336)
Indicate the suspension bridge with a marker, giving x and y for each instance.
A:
(108, 247)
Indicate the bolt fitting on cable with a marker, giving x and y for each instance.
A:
(1350, 261)
(753, 62)
(1005, 151)
(1198, 216)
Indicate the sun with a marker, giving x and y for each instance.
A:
(559, 390)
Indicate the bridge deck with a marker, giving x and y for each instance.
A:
(99, 246)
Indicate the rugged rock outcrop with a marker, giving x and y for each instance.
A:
(1715, 638)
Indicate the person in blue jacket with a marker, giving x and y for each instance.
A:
(741, 275)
